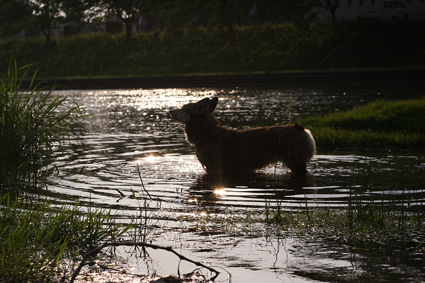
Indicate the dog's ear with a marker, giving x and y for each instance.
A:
(201, 106)
(212, 105)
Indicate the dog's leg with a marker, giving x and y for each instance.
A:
(298, 167)
(294, 159)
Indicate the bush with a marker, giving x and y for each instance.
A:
(182, 51)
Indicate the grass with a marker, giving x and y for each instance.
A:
(35, 238)
(380, 125)
(32, 123)
(264, 48)
(368, 224)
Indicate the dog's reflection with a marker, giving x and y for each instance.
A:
(209, 187)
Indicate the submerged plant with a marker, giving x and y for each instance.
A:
(32, 121)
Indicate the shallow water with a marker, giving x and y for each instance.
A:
(132, 128)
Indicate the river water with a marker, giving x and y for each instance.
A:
(131, 130)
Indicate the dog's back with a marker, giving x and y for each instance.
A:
(223, 150)
(243, 151)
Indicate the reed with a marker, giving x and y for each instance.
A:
(35, 238)
(366, 222)
(32, 123)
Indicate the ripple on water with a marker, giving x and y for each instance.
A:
(132, 128)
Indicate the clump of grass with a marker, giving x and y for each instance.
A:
(34, 238)
(32, 122)
(381, 124)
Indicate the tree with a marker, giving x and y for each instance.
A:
(80, 12)
(223, 13)
(14, 16)
(277, 11)
(125, 10)
(228, 10)
(45, 12)
(41, 15)
(129, 11)
(331, 6)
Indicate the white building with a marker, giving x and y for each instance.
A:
(385, 10)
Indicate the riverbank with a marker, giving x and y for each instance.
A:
(407, 78)
(378, 125)
(265, 56)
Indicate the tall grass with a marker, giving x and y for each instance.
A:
(35, 238)
(32, 122)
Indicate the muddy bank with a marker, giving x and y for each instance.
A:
(408, 79)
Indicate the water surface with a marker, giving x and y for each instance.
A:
(130, 129)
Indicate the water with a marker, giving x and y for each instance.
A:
(132, 128)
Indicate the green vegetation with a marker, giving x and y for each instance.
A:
(373, 222)
(32, 17)
(382, 124)
(34, 237)
(31, 123)
(368, 224)
(263, 48)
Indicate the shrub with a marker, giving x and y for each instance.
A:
(183, 51)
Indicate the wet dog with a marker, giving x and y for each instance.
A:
(226, 151)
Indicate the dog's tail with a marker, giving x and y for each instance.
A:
(311, 143)
(309, 140)
(305, 149)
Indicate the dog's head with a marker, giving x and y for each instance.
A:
(201, 107)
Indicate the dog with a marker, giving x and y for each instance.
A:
(226, 151)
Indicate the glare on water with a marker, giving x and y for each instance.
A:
(131, 131)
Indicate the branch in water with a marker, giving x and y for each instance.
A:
(143, 244)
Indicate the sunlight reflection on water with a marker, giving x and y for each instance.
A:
(133, 127)
(129, 127)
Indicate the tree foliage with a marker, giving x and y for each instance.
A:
(35, 16)
(330, 6)
(44, 14)
(14, 16)
(129, 11)
(41, 16)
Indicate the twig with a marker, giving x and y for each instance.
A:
(121, 193)
(141, 180)
(143, 244)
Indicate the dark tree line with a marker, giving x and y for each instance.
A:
(34, 16)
